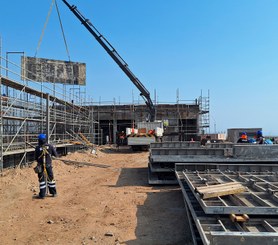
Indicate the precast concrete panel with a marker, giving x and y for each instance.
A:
(53, 71)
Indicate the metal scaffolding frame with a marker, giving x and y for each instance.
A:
(204, 117)
(31, 108)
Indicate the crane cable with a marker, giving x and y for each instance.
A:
(45, 25)
(62, 29)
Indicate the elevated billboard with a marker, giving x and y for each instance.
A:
(53, 71)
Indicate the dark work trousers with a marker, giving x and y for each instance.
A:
(49, 181)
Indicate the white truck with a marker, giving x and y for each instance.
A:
(146, 133)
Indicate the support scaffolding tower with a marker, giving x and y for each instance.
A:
(204, 117)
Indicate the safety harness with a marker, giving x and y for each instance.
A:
(43, 154)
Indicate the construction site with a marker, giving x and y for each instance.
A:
(126, 173)
(27, 111)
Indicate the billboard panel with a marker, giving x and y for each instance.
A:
(53, 71)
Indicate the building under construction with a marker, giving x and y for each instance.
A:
(29, 107)
(182, 121)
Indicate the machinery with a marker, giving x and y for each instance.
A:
(117, 58)
(140, 138)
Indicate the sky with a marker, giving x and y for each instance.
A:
(227, 49)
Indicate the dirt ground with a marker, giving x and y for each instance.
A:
(106, 203)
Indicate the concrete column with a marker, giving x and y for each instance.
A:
(114, 131)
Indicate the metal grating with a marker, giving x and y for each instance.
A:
(219, 229)
(259, 197)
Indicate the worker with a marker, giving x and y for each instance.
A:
(43, 154)
(259, 137)
(205, 140)
(243, 138)
(122, 138)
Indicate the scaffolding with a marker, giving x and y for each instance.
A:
(28, 108)
(204, 117)
(180, 118)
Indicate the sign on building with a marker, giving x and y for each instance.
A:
(53, 71)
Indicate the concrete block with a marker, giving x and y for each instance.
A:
(253, 151)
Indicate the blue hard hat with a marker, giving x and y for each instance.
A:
(42, 137)
(259, 133)
(243, 133)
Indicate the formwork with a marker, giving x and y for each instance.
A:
(259, 196)
(163, 156)
(217, 228)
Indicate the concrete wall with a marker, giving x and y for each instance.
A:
(255, 152)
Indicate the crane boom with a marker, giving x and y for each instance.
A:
(116, 57)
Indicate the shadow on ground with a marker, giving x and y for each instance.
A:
(161, 218)
(132, 177)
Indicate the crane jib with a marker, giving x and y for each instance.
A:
(116, 57)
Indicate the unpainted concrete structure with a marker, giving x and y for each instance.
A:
(183, 120)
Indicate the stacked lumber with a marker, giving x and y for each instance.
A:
(220, 190)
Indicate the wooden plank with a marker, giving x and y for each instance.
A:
(220, 190)
(217, 185)
(222, 193)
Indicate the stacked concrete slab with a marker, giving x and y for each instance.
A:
(164, 155)
(162, 163)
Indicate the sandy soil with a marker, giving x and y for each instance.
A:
(107, 203)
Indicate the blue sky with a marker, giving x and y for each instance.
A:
(227, 47)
